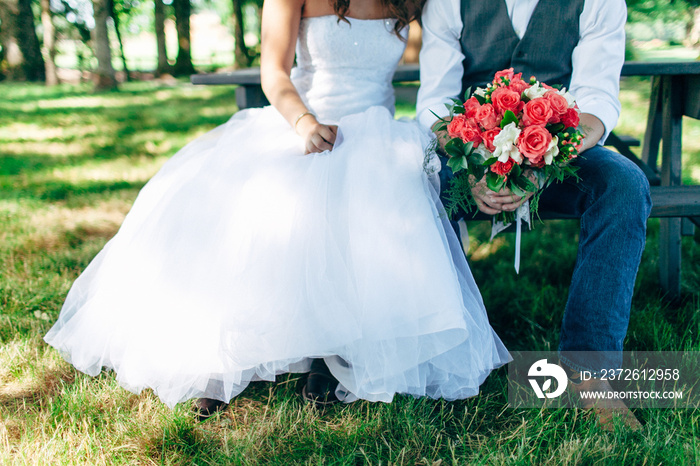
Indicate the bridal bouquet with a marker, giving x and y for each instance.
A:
(519, 135)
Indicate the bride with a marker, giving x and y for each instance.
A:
(303, 236)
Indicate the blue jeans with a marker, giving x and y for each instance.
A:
(612, 197)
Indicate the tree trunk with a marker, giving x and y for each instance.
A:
(243, 59)
(163, 65)
(693, 30)
(105, 78)
(115, 17)
(12, 55)
(49, 49)
(28, 42)
(183, 63)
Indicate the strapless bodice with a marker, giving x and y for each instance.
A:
(344, 68)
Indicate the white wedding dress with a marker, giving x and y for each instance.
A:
(243, 258)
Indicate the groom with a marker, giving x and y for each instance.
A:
(579, 44)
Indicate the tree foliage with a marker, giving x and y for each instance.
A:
(664, 10)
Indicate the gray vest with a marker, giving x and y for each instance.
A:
(490, 44)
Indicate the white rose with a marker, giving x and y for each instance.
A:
(567, 95)
(535, 91)
(505, 144)
(552, 151)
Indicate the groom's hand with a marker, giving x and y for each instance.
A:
(486, 200)
(511, 201)
(491, 202)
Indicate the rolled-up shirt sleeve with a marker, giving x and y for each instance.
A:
(598, 59)
(440, 60)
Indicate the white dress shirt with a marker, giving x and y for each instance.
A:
(597, 59)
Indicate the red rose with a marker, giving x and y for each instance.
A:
(517, 84)
(454, 129)
(471, 106)
(559, 105)
(508, 74)
(501, 168)
(505, 99)
(570, 118)
(486, 116)
(487, 138)
(533, 144)
(471, 133)
(537, 112)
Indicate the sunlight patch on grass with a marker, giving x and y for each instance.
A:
(30, 369)
(215, 112)
(56, 227)
(482, 250)
(42, 132)
(186, 91)
(633, 119)
(53, 228)
(52, 149)
(94, 101)
(131, 169)
(155, 141)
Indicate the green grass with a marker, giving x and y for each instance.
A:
(71, 164)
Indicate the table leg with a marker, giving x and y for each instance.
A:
(249, 96)
(688, 227)
(652, 136)
(670, 228)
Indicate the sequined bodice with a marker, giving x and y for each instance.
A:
(346, 68)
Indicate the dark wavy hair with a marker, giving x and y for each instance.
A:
(404, 11)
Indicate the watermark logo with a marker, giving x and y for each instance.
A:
(541, 369)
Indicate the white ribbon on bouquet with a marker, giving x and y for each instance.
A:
(522, 213)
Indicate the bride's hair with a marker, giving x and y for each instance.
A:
(404, 11)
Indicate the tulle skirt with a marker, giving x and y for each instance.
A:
(243, 259)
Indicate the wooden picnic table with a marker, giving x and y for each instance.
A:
(675, 92)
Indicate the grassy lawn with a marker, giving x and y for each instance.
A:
(71, 164)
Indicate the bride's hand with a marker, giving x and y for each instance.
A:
(317, 137)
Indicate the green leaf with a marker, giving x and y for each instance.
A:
(467, 93)
(495, 182)
(441, 127)
(515, 171)
(457, 163)
(508, 118)
(555, 129)
(517, 191)
(490, 161)
(480, 99)
(468, 148)
(455, 147)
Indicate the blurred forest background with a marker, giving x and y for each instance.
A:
(112, 41)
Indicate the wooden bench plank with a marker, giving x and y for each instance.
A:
(667, 202)
(675, 201)
(632, 68)
(411, 72)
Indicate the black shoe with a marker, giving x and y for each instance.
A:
(205, 408)
(320, 385)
